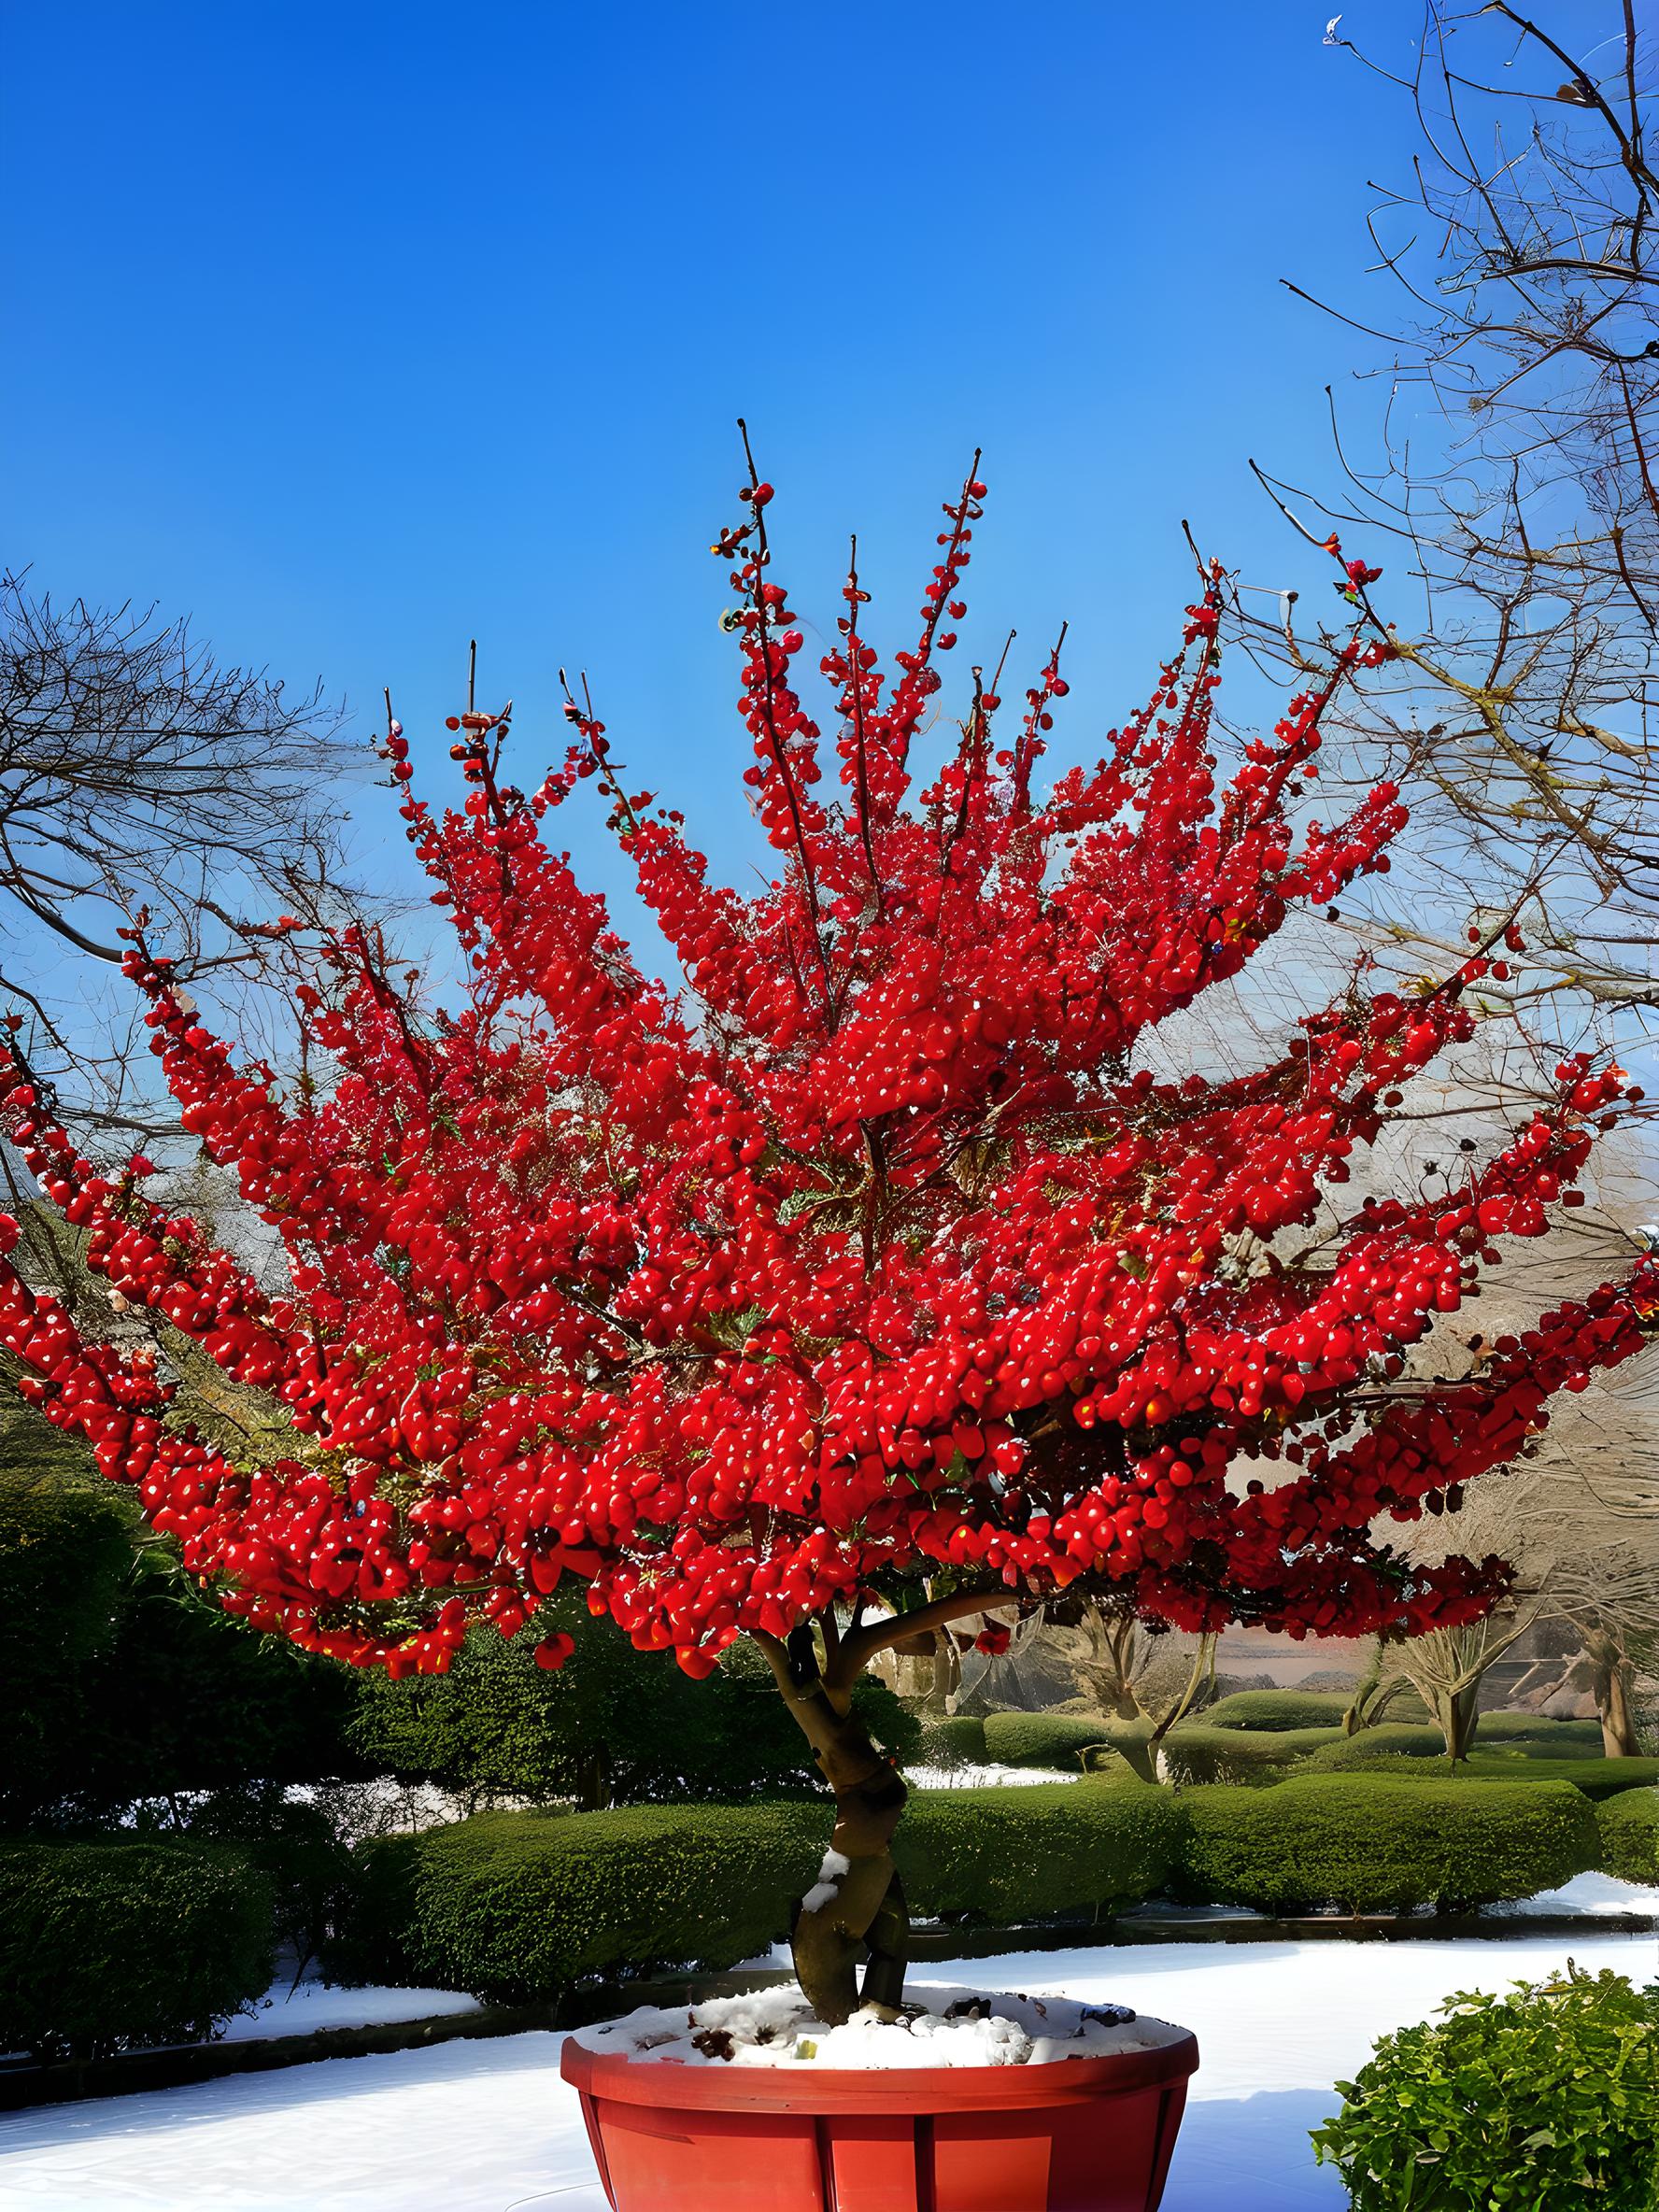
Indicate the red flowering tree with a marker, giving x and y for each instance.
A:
(869, 1281)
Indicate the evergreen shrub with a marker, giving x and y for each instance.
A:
(107, 1945)
(1542, 2099)
(1373, 1844)
(1629, 1826)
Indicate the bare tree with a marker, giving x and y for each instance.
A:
(137, 769)
(1512, 458)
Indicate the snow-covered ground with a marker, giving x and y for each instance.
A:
(297, 2011)
(489, 2127)
(986, 1778)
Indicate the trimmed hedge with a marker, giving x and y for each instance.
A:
(1629, 1827)
(957, 1741)
(1381, 1846)
(1046, 1739)
(518, 1906)
(1596, 1779)
(108, 1945)
(1386, 1744)
(1505, 1727)
(1198, 1755)
(1067, 1850)
(1278, 1709)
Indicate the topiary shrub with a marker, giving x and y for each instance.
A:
(1044, 1740)
(1386, 1744)
(1198, 1754)
(105, 1946)
(1629, 1826)
(1505, 1727)
(1004, 1856)
(1373, 1844)
(1275, 1710)
(518, 1907)
(1545, 2098)
(1595, 1779)
(959, 1740)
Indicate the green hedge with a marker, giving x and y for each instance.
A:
(958, 1741)
(514, 1907)
(108, 1945)
(1375, 1845)
(1595, 1779)
(1278, 1709)
(1629, 1827)
(1389, 1742)
(1198, 1755)
(1507, 1727)
(1038, 1852)
(1046, 1739)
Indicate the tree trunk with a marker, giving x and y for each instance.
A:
(1612, 1683)
(859, 1911)
(1455, 1717)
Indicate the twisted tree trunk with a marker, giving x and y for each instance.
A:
(1612, 1682)
(855, 1913)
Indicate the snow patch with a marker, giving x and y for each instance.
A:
(986, 1778)
(825, 1890)
(957, 2027)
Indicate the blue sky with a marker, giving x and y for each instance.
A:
(355, 330)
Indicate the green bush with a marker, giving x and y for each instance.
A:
(1198, 1755)
(1504, 1727)
(1373, 1844)
(956, 1741)
(1278, 1709)
(1044, 1740)
(1386, 1744)
(1544, 2098)
(516, 1907)
(1629, 1827)
(1596, 1779)
(1040, 1852)
(107, 1945)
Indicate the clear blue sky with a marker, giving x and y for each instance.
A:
(356, 330)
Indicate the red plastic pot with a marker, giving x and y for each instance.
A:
(1071, 2135)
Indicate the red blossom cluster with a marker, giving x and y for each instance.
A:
(876, 1255)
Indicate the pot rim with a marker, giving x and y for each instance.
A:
(632, 2078)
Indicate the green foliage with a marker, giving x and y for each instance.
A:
(1044, 1740)
(293, 1843)
(1196, 1754)
(1629, 1827)
(107, 1945)
(122, 1683)
(614, 1724)
(1384, 1746)
(1527, 2102)
(1502, 1728)
(1278, 1709)
(516, 1907)
(1041, 1853)
(959, 1740)
(1594, 1778)
(1373, 1844)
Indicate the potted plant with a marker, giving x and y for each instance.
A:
(870, 1282)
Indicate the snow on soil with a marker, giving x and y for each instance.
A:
(483, 2126)
(312, 2004)
(986, 1778)
(959, 2027)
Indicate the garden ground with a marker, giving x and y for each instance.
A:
(489, 2126)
